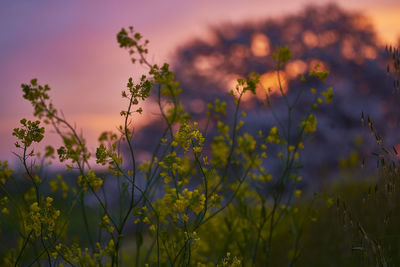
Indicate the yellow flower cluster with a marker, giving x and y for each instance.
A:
(298, 192)
(349, 162)
(220, 151)
(246, 143)
(190, 199)
(59, 184)
(223, 129)
(106, 224)
(215, 200)
(90, 179)
(328, 95)
(5, 172)
(309, 124)
(265, 177)
(75, 254)
(3, 203)
(218, 107)
(273, 136)
(189, 136)
(177, 205)
(42, 218)
(228, 261)
(292, 149)
(191, 236)
(145, 166)
(175, 168)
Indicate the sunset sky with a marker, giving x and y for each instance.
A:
(71, 45)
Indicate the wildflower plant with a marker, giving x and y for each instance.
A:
(272, 198)
(193, 184)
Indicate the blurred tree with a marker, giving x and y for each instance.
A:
(341, 42)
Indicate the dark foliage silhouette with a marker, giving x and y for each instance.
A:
(341, 42)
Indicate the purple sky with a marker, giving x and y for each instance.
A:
(71, 45)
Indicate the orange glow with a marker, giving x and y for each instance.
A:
(362, 23)
(295, 68)
(232, 83)
(270, 82)
(207, 63)
(327, 38)
(369, 52)
(260, 46)
(96, 123)
(347, 49)
(386, 22)
(202, 63)
(322, 66)
(310, 39)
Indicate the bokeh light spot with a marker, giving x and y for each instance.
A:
(260, 46)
